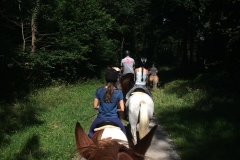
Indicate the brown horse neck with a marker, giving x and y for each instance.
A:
(109, 149)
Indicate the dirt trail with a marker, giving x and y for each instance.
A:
(161, 148)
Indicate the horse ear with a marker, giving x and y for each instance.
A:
(142, 146)
(82, 140)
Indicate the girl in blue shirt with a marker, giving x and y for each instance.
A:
(107, 100)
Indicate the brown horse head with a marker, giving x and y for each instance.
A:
(108, 149)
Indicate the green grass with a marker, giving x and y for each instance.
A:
(42, 126)
(201, 116)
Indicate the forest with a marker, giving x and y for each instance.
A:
(53, 55)
(66, 40)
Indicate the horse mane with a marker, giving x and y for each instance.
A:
(110, 149)
(107, 149)
(104, 149)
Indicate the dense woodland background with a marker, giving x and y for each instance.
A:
(45, 41)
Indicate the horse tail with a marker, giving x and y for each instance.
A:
(155, 81)
(127, 103)
(143, 119)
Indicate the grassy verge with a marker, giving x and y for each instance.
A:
(202, 115)
(42, 126)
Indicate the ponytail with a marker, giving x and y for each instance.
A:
(143, 60)
(108, 94)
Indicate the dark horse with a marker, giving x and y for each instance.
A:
(127, 83)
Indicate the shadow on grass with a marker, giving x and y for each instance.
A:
(210, 128)
(31, 150)
(17, 117)
(202, 135)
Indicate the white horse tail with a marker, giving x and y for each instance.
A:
(127, 103)
(143, 119)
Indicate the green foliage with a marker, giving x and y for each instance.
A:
(72, 40)
(83, 34)
(80, 38)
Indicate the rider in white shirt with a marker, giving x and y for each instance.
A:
(127, 67)
(141, 78)
(127, 64)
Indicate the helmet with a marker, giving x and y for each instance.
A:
(143, 60)
(111, 75)
(127, 52)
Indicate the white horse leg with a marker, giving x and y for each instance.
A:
(133, 110)
(133, 123)
(134, 134)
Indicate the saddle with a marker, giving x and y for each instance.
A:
(112, 132)
(105, 124)
(104, 127)
(139, 89)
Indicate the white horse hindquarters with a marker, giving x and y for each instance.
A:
(146, 113)
(133, 105)
(139, 99)
(139, 103)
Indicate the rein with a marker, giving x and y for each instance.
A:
(89, 117)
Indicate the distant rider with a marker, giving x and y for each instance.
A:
(128, 65)
(153, 70)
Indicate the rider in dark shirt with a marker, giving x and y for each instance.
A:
(153, 70)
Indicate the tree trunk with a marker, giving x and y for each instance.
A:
(122, 44)
(191, 43)
(23, 37)
(185, 45)
(33, 29)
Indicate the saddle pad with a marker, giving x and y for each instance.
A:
(106, 126)
(137, 93)
(115, 133)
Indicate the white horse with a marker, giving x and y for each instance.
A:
(140, 110)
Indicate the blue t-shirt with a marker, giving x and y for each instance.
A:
(108, 109)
